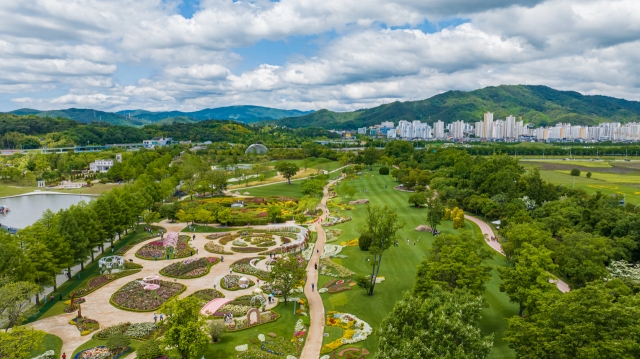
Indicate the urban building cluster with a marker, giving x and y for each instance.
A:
(509, 129)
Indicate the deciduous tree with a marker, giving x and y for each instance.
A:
(286, 274)
(287, 169)
(184, 327)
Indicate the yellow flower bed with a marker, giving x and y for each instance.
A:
(353, 242)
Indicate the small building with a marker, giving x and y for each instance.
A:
(118, 157)
(41, 183)
(256, 148)
(101, 165)
(157, 142)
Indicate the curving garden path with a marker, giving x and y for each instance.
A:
(98, 306)
(316, 309)
(487, 231)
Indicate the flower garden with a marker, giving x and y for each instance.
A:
(190, 268)
(212, 247)
(85, 325)
(244, 266)
(98, 281)
(232, 282)
(133, 295)
(139, 331)
(207, 295)
(355, 330)
(171, 247)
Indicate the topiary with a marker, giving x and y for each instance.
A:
(364, 242)
(150, 350)
(384, 170)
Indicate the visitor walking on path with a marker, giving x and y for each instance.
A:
(312, 286)
(64, 355)
(155, 318)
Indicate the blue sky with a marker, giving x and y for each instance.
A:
(189, 54)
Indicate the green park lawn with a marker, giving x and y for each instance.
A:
(51, 342)
(399, 265)
(81, 278)
(606, 183)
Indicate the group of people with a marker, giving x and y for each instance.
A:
(494, 238)
(155, 318)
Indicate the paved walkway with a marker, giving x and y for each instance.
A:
(487, 231)
(98, 306)
(316, 309)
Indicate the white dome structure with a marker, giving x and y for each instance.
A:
(256, 148)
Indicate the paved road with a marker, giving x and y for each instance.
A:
(487, 231)
(316, 309)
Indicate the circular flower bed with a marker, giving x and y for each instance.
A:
(133, 296)
(156, 250)
(244, 266)
(190, 268)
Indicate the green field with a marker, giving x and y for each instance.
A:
(606, 183)
(399, 265)
(594, 164)
(51, 342)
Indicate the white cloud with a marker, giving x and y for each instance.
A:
(75, 46)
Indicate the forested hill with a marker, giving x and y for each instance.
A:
(539, 105)
(245, 114)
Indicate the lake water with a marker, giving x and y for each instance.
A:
(25, 210)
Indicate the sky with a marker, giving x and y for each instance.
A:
(308, 55)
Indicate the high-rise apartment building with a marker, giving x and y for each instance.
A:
(488, 125)
(438, 129)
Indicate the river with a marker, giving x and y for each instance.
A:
(26, 209)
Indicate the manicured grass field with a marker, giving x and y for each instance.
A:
(611, 177)
(51, 342)
(594, 164)
(592, 185)
(399, 265)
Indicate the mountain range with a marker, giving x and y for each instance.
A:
(246, 114)
(540, 105)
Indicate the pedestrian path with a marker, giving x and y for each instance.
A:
(487, 231)
(316, 309)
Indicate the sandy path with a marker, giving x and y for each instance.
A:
(98, 307)
(487, 231)
(316, 309)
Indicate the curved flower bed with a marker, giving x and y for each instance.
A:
(207, 295)
(94, 353)
(211, 247)
(226, 239)
(86, 325)
(190, 268)
(247, 249)
(217, 235)
(232, 282)
(132, 296)
(140, 331)
(244, 266)
(356, 330)
(156, 250)
(98, 281)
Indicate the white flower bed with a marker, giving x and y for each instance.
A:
(307, 253)
(299, 326)
(362, 329)
(49, 354)
(261, 337)
(323, 290)
(331, 250)
(139, 330)
(325, 357)
(242, 348)
(296, 290)
(291, 357)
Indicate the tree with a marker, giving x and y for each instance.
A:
(261, 177)
(149, 217)
(344, 190)
(215, 328)
(287, 169)
(118, 342)
(382, 225)
(528, 279)
(582, 257)
(184, 326)
(273, 213)
(286, 274)
(301, 218)
(370, 156)
(149, 349)
(439, 325)
(20, 342)
(365, 240)
(598, 321)
(224, 215)
(312, 187)
(383, 171)
(455, 261)
(204, 216)
(575, 172)
(435, 212)
(588, 174)
(418, 199)
(15, 303)
(217, 179)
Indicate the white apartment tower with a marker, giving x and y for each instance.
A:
(488, 125)
(457, 130)
(510, 129)
(438, 129)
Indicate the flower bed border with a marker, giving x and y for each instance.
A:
(132, 271)
(77, 356)
(223, 252)
(200, 276)
(184, 288)
(257, 325)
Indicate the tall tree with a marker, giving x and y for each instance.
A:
(20, 341)
(286, 274)
(15, 303)
(370, 156)
(528, 279)
(439, 325)
(455, 261)
(382, 225)
(184, 327)
(288, 170)
(600, 320)
(435, 212)
(69, 228)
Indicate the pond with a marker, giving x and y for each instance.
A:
(26, 209)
